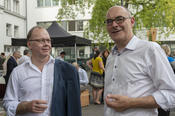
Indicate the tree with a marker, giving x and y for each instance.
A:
(148, 14)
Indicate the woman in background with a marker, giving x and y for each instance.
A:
(105, 55)
(96, 65)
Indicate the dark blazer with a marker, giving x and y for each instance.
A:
(66, 90)
(11, 64)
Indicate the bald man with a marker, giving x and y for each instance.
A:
(11, 64)
(138, 76)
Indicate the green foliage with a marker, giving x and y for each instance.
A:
(147, 13)
(96, 24)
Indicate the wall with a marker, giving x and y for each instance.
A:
(10, 17)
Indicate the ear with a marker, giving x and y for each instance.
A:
(29, 45)
(132, 21)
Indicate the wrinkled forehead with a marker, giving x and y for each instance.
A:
(117, 11)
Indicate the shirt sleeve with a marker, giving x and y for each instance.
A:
(163, 77)
(10, 100)
(84, 78)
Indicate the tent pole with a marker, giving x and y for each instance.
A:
(75, 52)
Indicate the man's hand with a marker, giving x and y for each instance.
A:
(35, 106)
(122, 103)
(117, 102)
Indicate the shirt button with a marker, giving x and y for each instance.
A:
(113, 79)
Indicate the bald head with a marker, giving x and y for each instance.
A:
(16, 54)
(118, 8)
(119, 25)
(29, 35)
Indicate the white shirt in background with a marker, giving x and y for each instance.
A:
(83, 76)
(23, 59)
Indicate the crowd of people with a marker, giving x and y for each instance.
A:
(136, 77)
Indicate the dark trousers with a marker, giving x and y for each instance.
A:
(162, 112)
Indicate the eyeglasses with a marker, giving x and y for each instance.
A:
(118, 20)
(42, 41)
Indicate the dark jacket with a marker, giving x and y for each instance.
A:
(11, 64)
(2, 60)
(66, 90)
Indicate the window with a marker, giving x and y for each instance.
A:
(71, 25)
(55, 2)
(7, 4)
(79, 25)
(40, 3)
(7, 48)
(16, 6)
(11, 49)
(64, 25)
(75, 26)
(8, 30)
(47, 2)
(81, 52)
(16, 31)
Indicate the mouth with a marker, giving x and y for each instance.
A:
(46, 49)
(116, 31)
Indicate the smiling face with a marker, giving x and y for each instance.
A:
(121, 31)
(39, 48)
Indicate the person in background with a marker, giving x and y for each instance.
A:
(2, 60)
(167, 50)
(5, 65)
(42, 86)
(25, 57)
(138, 77)
(173, 53)
(11, 64)
(82, 76)
(105, 55)
(92, 55)
(96, 65)
(93, 52)
(62, 55)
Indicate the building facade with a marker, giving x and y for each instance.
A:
(17, 17)
(12, 23)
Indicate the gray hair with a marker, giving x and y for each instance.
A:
(167, 49)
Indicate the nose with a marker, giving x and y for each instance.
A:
(114, 24)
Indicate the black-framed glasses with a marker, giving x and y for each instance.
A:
(118, 20)
(42, 41)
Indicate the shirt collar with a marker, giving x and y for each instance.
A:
(132, 43)
(130, 46)
(51, 60)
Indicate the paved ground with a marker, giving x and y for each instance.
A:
(93, 110)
